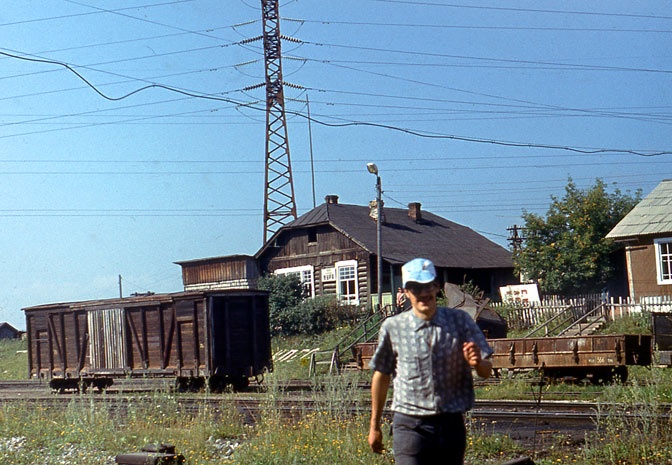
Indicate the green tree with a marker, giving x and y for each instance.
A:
(567, 252)
(285, 293)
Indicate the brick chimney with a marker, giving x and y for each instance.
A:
(414, 211)
(332, 199)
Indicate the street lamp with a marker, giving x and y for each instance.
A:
(373, 169)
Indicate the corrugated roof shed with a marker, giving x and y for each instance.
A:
(447, 243)
(651, 216)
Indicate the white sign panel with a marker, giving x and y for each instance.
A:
(328, 274)
(519, 293)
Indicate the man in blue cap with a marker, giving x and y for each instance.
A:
(430, 352)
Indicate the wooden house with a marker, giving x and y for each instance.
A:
(332, 248)
(646, 233)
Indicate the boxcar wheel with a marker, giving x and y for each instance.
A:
(181, 384)
(102, 383)
(241, 383)
(621, 374)
(190, 384)
(217, 384)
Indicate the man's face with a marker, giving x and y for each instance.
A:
(422, 298)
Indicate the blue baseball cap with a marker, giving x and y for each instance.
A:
(418, 270)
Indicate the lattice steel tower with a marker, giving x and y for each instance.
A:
(279, 201)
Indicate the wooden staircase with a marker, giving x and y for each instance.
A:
(571, 323)
(586, 327)
(341, 358)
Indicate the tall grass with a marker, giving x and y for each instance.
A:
(91, 432)
(13, 359)
(332, 431)
(326, 433)
(631, 431)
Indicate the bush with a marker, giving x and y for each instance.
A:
(286, 293)
(292, 313)
(635, 323)
(312, 316)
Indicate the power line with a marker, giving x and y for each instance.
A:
(506, 63)
(477, 27)
(75, 15)
(525, 10)
(482, 94)
(416, 133)
(324, 170)
(145, 20)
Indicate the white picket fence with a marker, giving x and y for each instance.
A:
(536, 313)
(623, 307)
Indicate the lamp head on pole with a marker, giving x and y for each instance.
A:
(373, 169)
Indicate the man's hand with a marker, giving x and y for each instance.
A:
(376, 439)
(472, 354)
(380, 383)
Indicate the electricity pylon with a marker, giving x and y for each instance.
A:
(279, 201)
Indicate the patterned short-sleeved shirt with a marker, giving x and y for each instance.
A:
(425, 357)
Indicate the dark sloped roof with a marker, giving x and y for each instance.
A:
(9, 327)
(446, 243)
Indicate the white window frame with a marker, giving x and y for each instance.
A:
(350, 299)
(306, 275)
(663, 248)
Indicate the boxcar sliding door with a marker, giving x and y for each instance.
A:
(108, 339)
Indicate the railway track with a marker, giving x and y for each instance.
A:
(291, 395)
(532, 423)
(131, 385)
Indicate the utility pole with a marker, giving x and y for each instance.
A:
(279, 200)
(373, 169)
(310, 139)
(515, 239)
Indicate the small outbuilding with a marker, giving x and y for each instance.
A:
(8, 331)
(216, 273)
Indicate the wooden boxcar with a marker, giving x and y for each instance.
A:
(216, 337)
(600, 358)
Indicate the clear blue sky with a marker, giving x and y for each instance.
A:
(477, 109)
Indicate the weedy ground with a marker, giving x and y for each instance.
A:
(327, 434)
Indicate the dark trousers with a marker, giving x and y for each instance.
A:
(431, 440)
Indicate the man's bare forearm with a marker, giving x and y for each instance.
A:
(380, 384)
